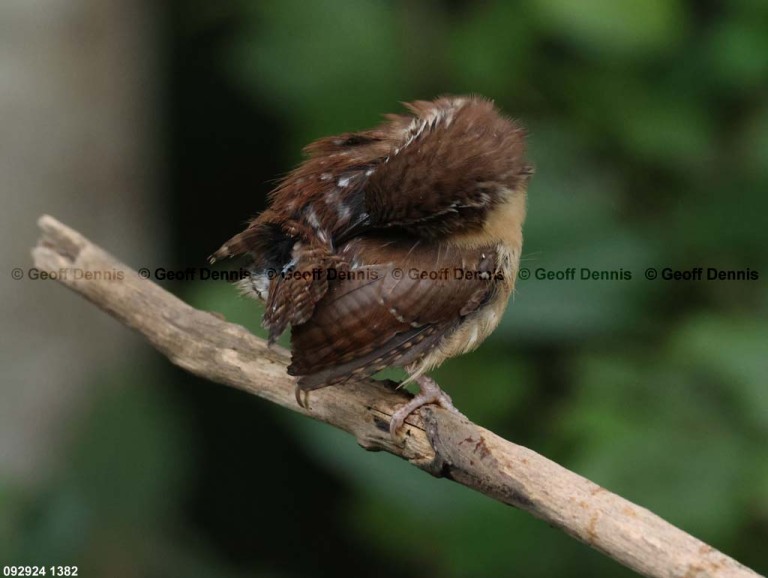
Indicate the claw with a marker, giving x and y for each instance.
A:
(303, 403)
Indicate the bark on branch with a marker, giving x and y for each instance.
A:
(436, 441)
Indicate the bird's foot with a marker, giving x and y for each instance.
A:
(429, 393)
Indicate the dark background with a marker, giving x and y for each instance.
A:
(648, 125)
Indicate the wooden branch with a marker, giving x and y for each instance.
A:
(437, 441)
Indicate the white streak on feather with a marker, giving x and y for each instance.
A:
(431, 120)
(312, 218)
(397, 315)
(315, 223)
(344, 212)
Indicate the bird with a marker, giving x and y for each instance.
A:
(396, 246)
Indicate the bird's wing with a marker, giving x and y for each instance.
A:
(432, 173)
(390, 312)
(446, 171)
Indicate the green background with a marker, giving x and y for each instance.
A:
(648, 123)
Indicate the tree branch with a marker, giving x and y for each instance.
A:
(436, 440)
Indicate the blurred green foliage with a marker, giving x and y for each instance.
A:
(648, 126)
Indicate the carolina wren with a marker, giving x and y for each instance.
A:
(392, 247)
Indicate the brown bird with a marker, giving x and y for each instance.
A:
(392, 247)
